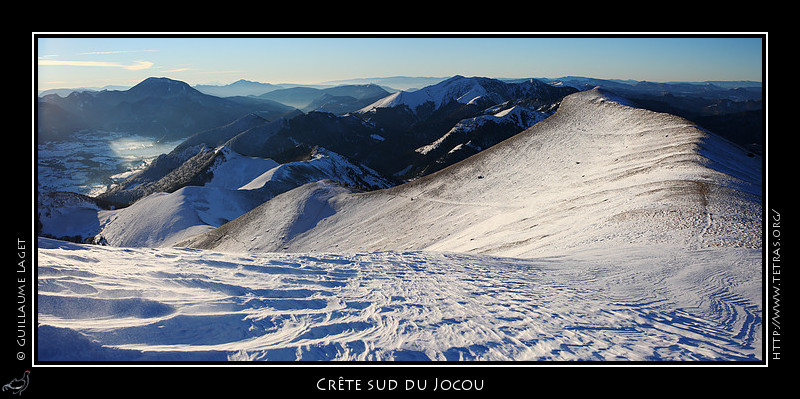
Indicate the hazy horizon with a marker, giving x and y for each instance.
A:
(355, 79)
(74, 61)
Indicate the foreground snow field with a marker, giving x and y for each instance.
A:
(143, 304)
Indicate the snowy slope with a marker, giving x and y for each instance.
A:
(324, 164)
(66, 214)
(520, 116)
(237, 170)
(143, 304)
(238, 184)
(595, 174)
(162, 219)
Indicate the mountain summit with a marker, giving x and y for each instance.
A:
(466, 90)
(160, 107)
(162, 87)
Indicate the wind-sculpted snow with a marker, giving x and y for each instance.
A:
(104, 303)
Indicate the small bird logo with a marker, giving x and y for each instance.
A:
(17, 385)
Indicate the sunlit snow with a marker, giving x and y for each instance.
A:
(184, 304)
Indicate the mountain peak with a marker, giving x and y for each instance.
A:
(454, 78)
(161, 87)
(461, 89)
(245, 82)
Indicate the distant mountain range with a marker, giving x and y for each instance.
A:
(393, 83)
(730, 108)
(385, 135)
(244, 87)
(398, 137)
(337, 100)
(240, 87)
(67, 91)
(157, 107)
(398, 142)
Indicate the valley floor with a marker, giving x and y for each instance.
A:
(171, 304)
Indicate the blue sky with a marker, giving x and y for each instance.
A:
(86, 61)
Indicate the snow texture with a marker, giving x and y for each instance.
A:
(144, 304)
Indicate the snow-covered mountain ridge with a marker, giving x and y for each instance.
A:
(464, 90)
(518, 115)
(595, 173)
